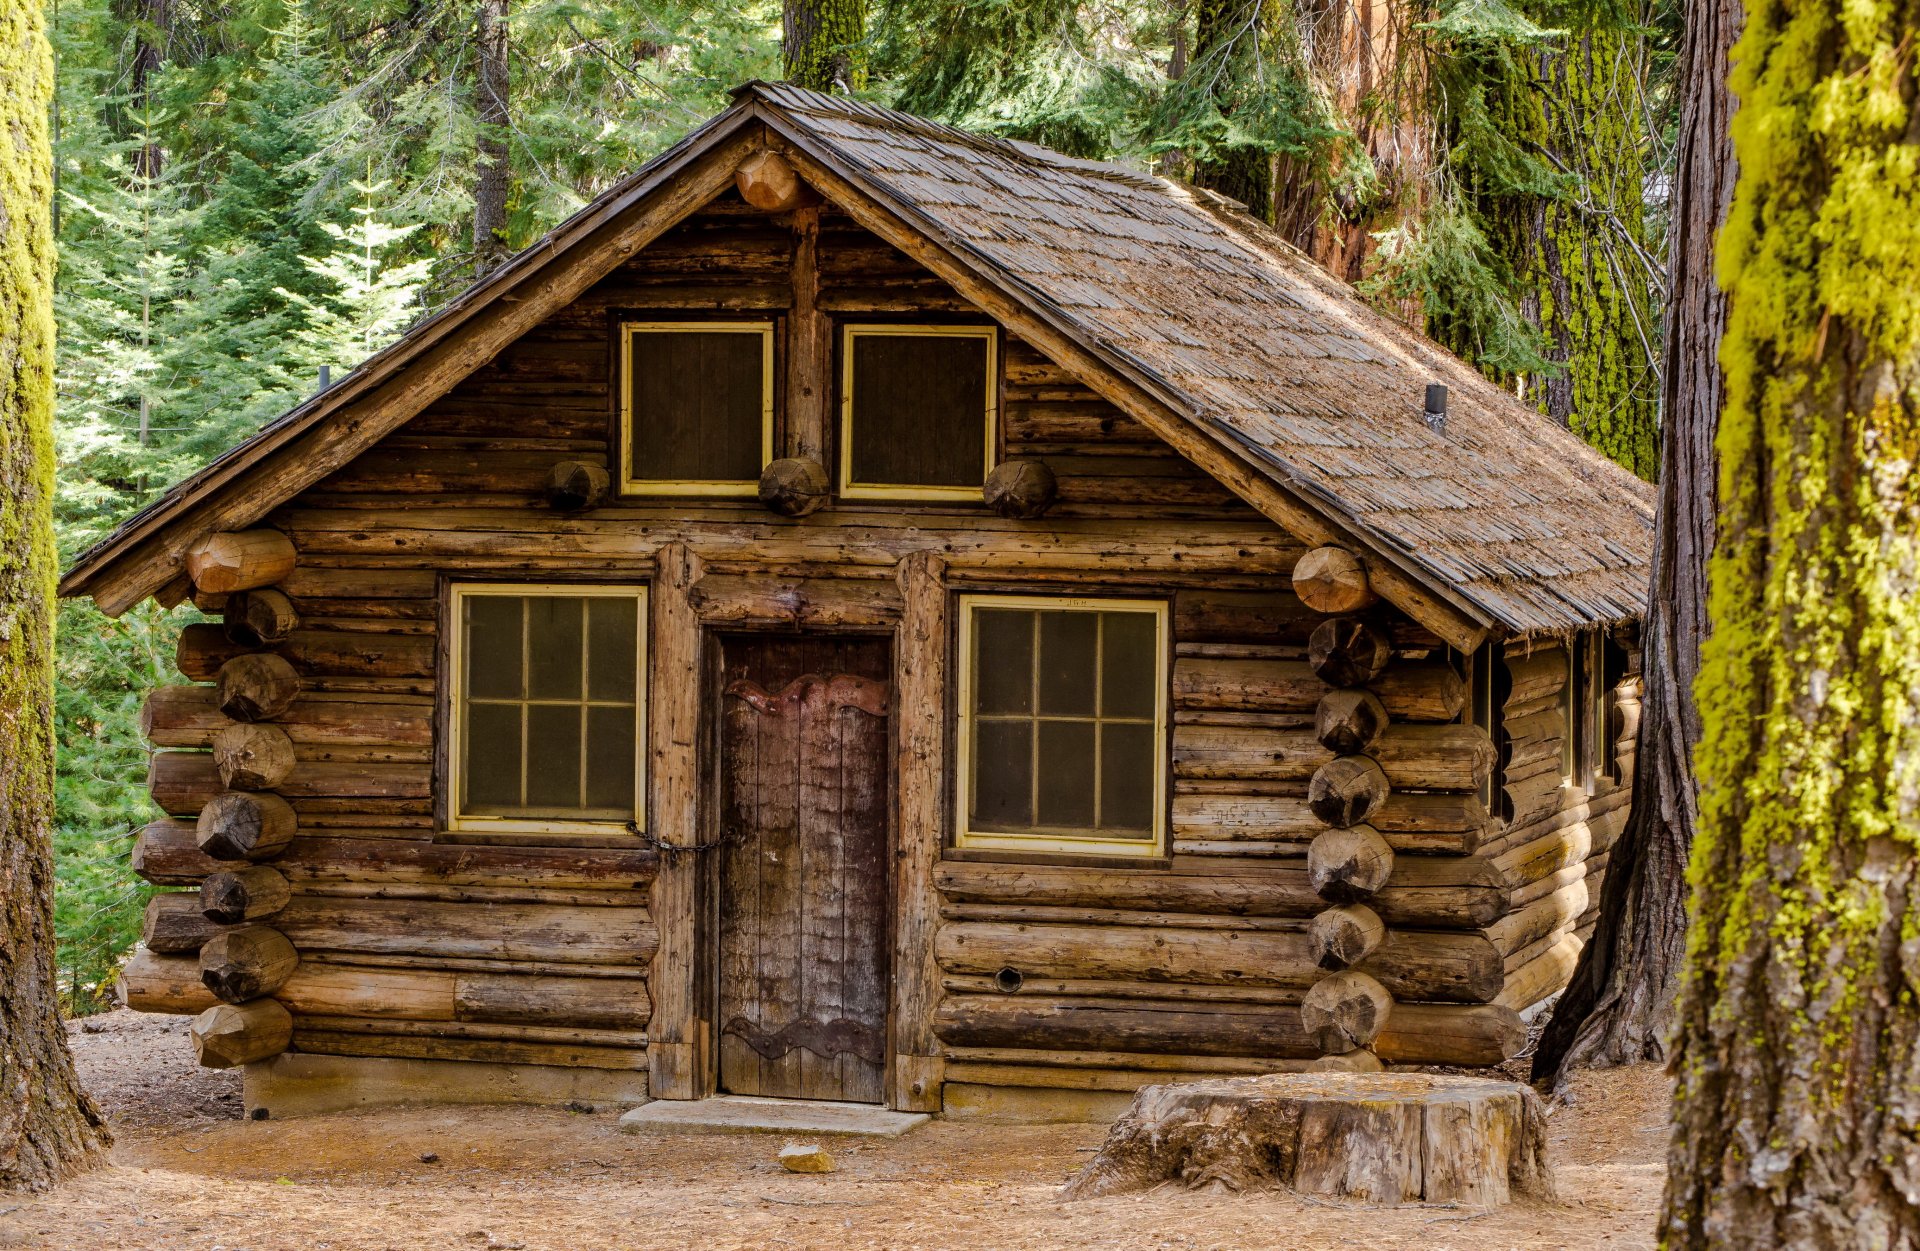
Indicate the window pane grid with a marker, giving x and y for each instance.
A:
(552, 772)
(1093, 792)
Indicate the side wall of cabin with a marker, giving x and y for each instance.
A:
(1010, 972)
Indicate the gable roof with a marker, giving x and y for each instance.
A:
(1198, 319)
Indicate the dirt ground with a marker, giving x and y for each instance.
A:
(189, 1173)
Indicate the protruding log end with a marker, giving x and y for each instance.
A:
(239, 560)
(1348, 865)
(793, 486)
(1344, 935)
(1345, 1012)
(767, 181)
(233, 896)
(259, 617)
(1346, 791)
(252, 756)
(1332, 580)
(1348, 720)
(1361, 1061)
(246, 963)
(245, 825)
(1022, 488)
(1348, 651)
(228, 1035)
(172, 929)
(258, 686)
(573, 485)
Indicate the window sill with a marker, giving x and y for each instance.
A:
(1064, 859)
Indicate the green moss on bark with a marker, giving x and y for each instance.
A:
(1798, 1104)
(824, 44)
(48, 1127)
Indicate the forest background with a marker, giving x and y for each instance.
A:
(254, 194)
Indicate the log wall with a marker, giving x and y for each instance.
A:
(1335, 886)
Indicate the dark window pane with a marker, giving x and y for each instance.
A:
(493, 646)
(1003, 660)
(553, 756)
(610, 755)
(919, 410)
(1002, 775)
(491, 770)
(696, 405)
(1069, 653)
(1129, 649)
(1066, 774)
(612, 647)
(553, 646)
(1127, 772)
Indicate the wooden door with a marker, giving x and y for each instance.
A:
(803, 951)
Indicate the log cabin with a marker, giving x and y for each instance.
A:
(869, 612)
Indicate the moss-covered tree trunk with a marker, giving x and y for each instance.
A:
(48, 1126)
(1619, 1006)
(1797, 1111)
(823, 44)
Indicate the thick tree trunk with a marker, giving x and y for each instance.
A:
(1798, 1041)
(1228, 39)
(494, 172)
(1618, 1008)
(823, 44)
(48, 1127)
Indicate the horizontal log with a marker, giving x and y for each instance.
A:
(1546, 974)
(1124, 1025)
(1466, 1034)
(204, 647)
(1345, 1012)
(188, 716)
(151, 982)
(244, 962)
(165, 854)
(1414, 757)
(259, 617)
(232, 896)
(182, 782)
(562, 934)
(1462, 967)
(252, 687)
(239, 560)
(1124, 1080)
(1535, 677)
(1441, 822)
(252, 757)
(811, 603)
(243, 825)
(174, 923)
(1333, 580)
(1410, 691)
(630, 1056)
(1539, 918)
(1344, 935)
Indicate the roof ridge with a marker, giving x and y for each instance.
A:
(1019, 150)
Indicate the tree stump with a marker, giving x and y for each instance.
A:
(1374, 1139)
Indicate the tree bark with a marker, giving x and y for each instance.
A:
(493, 171)
(1619, 1006)
(823, 44)
(1798, 1041)
(1229, 36)
(49, 1128)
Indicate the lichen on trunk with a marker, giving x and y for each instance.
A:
(1798, 1100)
(48, 1127)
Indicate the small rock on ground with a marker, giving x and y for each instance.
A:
(805, 1158)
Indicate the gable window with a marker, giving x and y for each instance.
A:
(547, 707)
(696, 409)
(917, 411)
(1063, 713)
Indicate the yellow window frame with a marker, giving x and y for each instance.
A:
(456, 718)
(990, 413)
(1063, 842)
(630, 485)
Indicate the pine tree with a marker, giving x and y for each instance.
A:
(50, 1128)
(368, 300)
(823, 44)
(1798, 1045)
